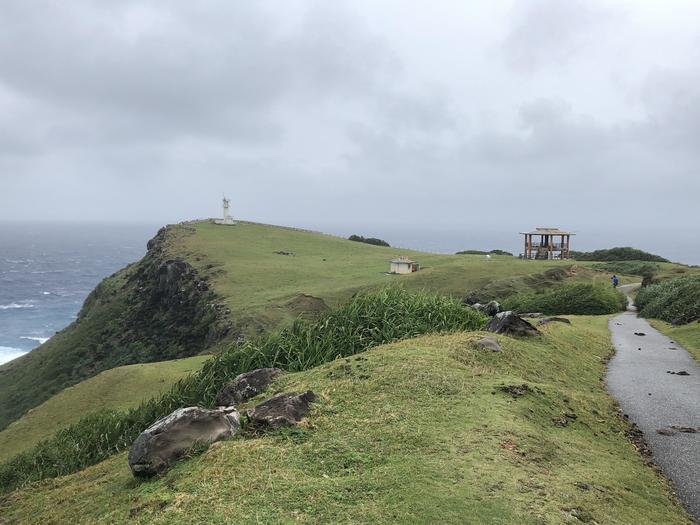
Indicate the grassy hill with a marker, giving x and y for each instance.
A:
(262, 287)
(202, 284)
(418, 431)
(119, 388)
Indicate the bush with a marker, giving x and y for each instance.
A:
(479, 252)
(368, 320)
(569, 298)
(617, 254)
(628, 267)
(368, 240)
(676, 301)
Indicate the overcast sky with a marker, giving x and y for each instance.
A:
(427, 114)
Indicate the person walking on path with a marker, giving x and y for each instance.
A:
(615, 281)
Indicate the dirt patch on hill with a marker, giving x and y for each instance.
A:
(305, 305)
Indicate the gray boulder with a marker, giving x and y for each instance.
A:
(547, 320)
(282, 410)
(489, 343)
(246, 386)
(169, 438)
(509, 323)
(491, 308)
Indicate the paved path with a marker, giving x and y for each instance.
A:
(657, 400)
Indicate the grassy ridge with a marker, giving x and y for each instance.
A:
(258, 284)
(120, 388)
(414, 432)
(617, 254)
(369, 320)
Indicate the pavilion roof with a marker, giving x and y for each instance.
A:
(547, 231)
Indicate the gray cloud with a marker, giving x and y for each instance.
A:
(352, 113)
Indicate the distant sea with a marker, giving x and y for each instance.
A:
(47, 271)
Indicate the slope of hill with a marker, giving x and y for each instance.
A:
(201, 284)
(119, 388)
(420, 431)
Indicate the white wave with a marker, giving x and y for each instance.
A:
(41, 340)
(7, 353)
(13, 306)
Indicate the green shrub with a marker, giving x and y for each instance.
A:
(676, 301)
(368, 240)
(628, 267)
(617, 254)
(368, 320)
(569, 298)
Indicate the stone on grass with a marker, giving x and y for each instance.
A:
(547, 320)
(489, 343)
(281, 410)
(509, 323)
(246, 386)
(171, 437)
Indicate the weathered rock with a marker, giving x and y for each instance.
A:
(489, 343)
(169, 438)
(245, 386)
(282, 410)
(532, 314)
(547, 320)
(509, 323)
(491, 308)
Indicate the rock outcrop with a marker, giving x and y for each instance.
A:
(547, 320)
(282, 410)
(246, 386)
(169, 438)
(489, 343)
(509, 323)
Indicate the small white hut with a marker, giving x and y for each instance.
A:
(403, 265)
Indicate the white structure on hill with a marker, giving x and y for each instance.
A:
(403, 265)
(227, 217)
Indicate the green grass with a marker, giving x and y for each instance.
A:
(120, 388)
(569, 298)
(257, 284)
(369, 320)
(413, 432)
(687, 335)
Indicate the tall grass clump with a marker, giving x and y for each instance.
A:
(369, 320)
(569, 298)
(676, 301)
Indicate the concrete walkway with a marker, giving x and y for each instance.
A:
(640, 378)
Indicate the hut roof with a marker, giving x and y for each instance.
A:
(547, 231)
(404, 260)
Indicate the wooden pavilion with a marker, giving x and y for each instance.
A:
(547, 243)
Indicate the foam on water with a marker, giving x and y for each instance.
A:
(8, 353)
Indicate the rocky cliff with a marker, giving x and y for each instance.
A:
(156, 309)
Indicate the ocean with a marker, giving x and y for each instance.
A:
(47, 271)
